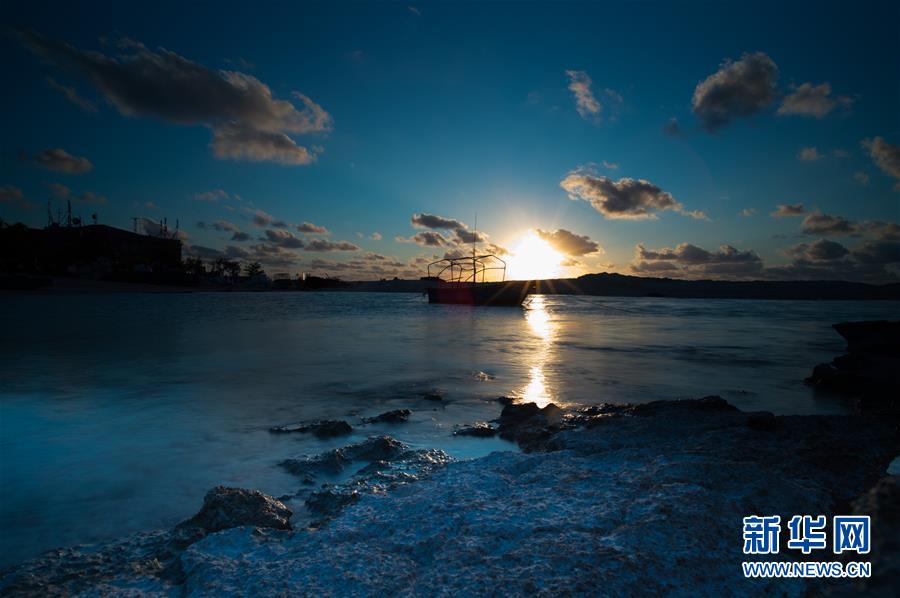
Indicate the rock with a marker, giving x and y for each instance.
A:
(882, 504)
(529, 425)
(375, 448)
(641, 505)
(763, 421)
(478, 429)
(397, 416)
(331, 462)
(433, 396)
(869, 373)
(329, 501)
(689, 407)
(326, 428)
(225, 507)
(483, 376)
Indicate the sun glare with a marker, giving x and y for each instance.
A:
(533, 259)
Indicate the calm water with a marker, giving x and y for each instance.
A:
(120, 411)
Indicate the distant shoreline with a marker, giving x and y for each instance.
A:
(608, 285)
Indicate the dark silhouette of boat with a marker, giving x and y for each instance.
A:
(458, 282)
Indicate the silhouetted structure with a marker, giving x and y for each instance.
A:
(96, 251)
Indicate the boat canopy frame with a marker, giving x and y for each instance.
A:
(467, 269)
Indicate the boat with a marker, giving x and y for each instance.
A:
(457, 282)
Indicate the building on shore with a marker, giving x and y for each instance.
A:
(93, 251)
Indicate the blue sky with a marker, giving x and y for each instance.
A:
(453, 109)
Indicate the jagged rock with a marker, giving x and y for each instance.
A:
(870, 372)
(433, 396)
(483, 376)
(647, 504)
(331, 462)
(528, 424)
(478, 429)
(326, 428)
(375, 448)
(225, 507)
(397, 416)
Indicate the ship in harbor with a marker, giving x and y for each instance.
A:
(464, 281)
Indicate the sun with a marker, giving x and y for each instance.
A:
(533, 259)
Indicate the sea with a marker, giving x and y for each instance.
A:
(119, 411)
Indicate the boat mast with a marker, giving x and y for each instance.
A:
(474, 242)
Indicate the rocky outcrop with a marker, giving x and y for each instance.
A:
(869, 373)
(144, 563)
(478, 430)
(611, 499)
(397, 416)
(326, 428)
(234, 507)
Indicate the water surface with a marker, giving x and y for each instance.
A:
(118, 412)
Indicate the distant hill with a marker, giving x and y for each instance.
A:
(620, 285)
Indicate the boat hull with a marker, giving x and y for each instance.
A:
(508, 294)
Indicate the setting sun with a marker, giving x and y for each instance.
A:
(533, 258)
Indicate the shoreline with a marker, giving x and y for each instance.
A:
(606, 498)
(600, 285)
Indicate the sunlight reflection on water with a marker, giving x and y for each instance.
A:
(541, 325)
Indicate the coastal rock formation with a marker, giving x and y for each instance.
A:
(146, 563)
(233, 507)
(478, 430)
(397, 416)
(612, 499)
(326, 428)
(869, 373)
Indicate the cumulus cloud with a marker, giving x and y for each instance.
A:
(59, 190)
(321, 245)
(812, 100)
(861, 177)
(376, 236)
(737, 89)
(236, 141)
(59, 160)
(625, 199)
(72, 95)
(809, 154)
(747, 212)
(437, 222)
(817, 223)
(247, 121)
(263, 219)
(585, 101)
(568, 243)
(692, 261)
(228, 227)
(284, 238)
(787, 210)
(822, 250)
(885, 156)
(309, 227)
(425, 239)
(11, 193)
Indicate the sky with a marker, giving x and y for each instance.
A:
(362, 140)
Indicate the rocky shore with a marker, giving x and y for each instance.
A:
(609, 499)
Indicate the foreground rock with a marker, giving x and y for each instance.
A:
(869, 373)
(143, 563)
(397, 416)
(478, 430)
(326, 428)
(612, 499)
